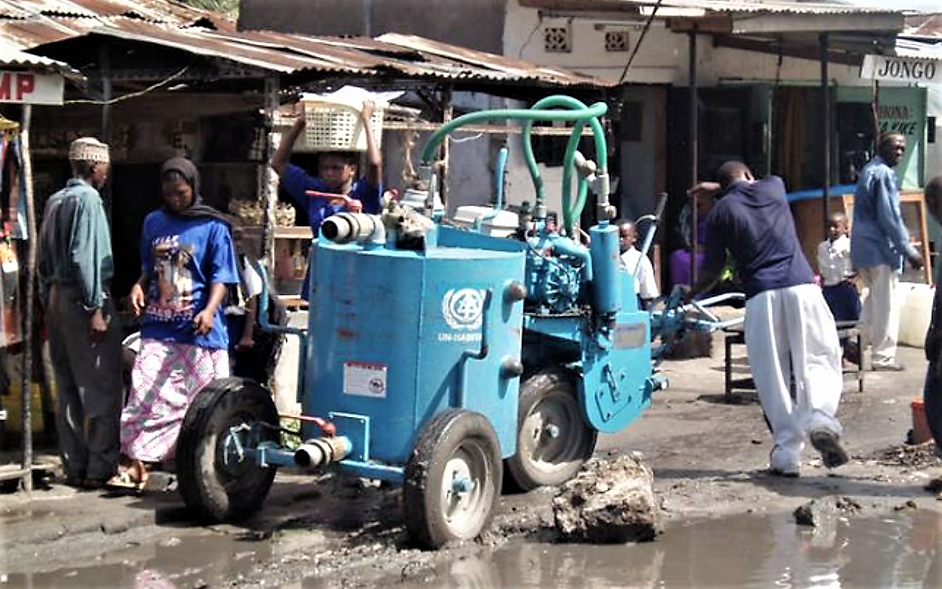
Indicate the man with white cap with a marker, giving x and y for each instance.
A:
(75, 266)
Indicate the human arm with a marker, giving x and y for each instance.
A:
(247, 339)
(90, 251)
(279, 161)
(890, 218)
(219, 262)
(715, 257)
(203, 321)
(374, 160)
(90, 255)
(137, 298)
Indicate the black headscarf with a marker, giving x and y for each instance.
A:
(197, 209)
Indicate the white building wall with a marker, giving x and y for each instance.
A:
(660, 60)
(663, 57)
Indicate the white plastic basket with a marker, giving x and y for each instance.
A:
(333, 126)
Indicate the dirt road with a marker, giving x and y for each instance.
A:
(708, 457)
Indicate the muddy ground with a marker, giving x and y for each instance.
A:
(709, 459)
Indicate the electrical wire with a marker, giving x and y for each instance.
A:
(151, 88)
(529, 38)
(644, 32)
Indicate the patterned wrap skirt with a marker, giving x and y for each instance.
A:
(166, 378)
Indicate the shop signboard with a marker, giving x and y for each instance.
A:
(26, 87)
(889, 68)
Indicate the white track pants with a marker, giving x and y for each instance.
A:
(790, 334)
(881, 312)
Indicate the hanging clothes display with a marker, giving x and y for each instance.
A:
(12, 230)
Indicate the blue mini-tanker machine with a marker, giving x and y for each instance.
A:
(435, 355)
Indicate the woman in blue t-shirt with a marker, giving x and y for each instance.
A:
(188, 261)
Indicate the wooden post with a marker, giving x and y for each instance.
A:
(106, 128)
(826, 97)
(269, 195)
(694, 139)
(30, 301)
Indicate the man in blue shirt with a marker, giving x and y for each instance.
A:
(790, 333)
(878, 243)
(336, 175)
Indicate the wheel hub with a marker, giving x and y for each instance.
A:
(462, 501)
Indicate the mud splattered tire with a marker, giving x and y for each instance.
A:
(452, 480)
(553, 438)
(215, 483)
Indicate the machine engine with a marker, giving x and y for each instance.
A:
(554, 282)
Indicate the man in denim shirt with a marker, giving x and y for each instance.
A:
(879, 241)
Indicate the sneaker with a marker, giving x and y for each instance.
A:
(783, 463)
(894, 367)
(828, 444)
(790, 471)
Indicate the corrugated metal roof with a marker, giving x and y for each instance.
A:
(164, 11)
(924, 25)
(797, 7)
(169, 24)
(10, 57)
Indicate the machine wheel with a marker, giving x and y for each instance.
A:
(453, 478)
(553, 439)
(215, 482)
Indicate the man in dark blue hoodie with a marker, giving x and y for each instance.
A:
(790, 333)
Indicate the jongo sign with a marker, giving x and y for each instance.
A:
(900, 69)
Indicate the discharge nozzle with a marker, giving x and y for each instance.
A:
(354, 228)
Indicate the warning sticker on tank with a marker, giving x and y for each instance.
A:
(364, 379)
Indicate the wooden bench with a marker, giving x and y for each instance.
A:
(736, 336)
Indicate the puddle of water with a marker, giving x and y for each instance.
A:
(204, 561)
(745, 552)
(741, 552)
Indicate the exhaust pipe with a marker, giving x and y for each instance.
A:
(319, 452)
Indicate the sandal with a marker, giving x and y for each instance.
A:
(132, 477)
(125, 480)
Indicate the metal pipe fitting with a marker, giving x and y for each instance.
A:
(353, 228)
(320, 452)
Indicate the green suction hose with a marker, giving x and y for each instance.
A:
(575, 111)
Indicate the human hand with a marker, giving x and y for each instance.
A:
(245, 344)
(703, 189)
(97, 326)
(301, 119)
(915, 260)
(137, 299)
(203, 322)
(369, 107)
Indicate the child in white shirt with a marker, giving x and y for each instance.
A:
(645, 283)
(837, 272)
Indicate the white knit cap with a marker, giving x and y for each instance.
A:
(88, 149)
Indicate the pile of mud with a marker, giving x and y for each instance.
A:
(910, 455)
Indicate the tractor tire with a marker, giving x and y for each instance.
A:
(455, 446)
(214, 486)
(553, 438)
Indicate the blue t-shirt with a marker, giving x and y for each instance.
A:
(754, 223)
(296, 182)
(184, 258)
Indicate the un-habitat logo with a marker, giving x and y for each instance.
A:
(462, 308)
